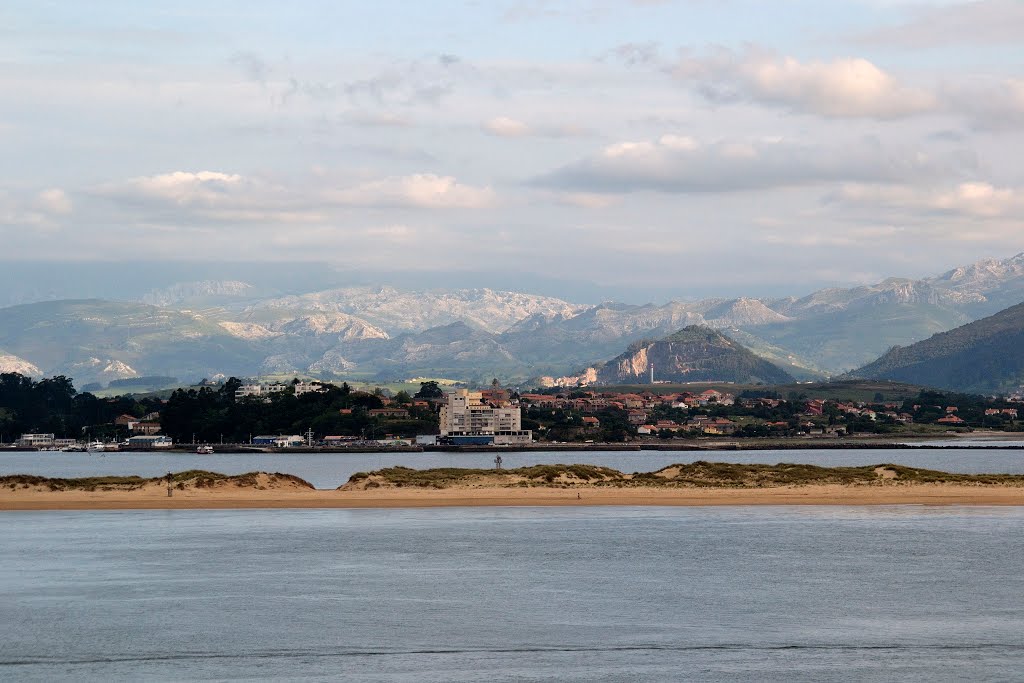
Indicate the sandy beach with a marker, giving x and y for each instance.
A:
(155, 497)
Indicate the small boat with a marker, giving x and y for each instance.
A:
(101, 447)
(205, 449)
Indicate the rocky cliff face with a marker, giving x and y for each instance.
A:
(694, 354)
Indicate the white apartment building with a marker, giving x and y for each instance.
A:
(309, 388)
(465, 417)
(258, 390)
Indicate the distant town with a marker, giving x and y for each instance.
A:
(310, 414)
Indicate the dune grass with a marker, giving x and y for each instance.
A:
(699, 474)
(179, 480)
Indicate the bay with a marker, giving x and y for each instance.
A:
(521, 594)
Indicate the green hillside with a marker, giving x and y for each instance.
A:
(985, 356)
(844, 339)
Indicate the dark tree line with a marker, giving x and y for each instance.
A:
(205, 414)
(52, 405)
(213, 414)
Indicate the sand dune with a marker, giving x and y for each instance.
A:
(882, 485)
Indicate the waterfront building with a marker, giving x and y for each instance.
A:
(36, 441)
(279, 441)
(144, 443)
(467, 419)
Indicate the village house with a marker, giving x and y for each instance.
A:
(815, 407)
(636, 417)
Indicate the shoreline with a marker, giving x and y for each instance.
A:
(812, 495)
(908, 442)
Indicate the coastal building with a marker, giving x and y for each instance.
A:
(144, 428)
(145, 443)
(36, 441)
(467, 419)
(279, 441)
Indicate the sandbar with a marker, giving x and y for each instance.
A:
(155, 497)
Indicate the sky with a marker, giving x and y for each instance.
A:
(677, 147)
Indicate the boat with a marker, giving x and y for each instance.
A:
(204, 449)
(101, 447)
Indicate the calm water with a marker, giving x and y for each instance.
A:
(528, 594)
(332, 470)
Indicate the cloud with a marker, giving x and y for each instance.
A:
(983, 22)
(42, 211)
(842, 88)
(422, 191)
(585, 200)
(53, 201)
(376, 119)
(233, 197)
(988, 104)
(182, 187)
(681, 164)
(972, 199)
(504, 127)
(212, 196)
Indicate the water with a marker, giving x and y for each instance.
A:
(331, 470)
(520, 594)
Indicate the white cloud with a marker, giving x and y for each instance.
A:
(842, 88)
(236, 198)
(43, 211)
(182, 187)
(585, 200)
(972, 199)
(53, 201)
(505, 127)
(423, 191)
(677, 163)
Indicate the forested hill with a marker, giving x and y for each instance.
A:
(986, 356)
(693, 354)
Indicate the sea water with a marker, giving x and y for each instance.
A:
(514, 594)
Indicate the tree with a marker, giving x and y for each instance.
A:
(429, 390)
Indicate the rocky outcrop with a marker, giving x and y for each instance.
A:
(694, 354)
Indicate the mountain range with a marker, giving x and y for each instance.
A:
(208, 327)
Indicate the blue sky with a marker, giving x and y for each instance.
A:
(668, 144)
